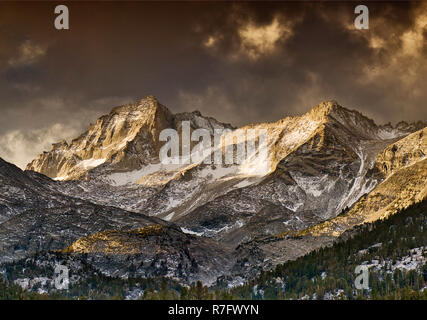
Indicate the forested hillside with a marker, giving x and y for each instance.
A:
(394, 250)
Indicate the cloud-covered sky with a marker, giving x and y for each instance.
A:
(238, 62)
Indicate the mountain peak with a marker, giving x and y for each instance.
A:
(332, 108)
(125, 139)
(326, 108)
(332, 112)
(356, 121)
(143, 104)
(127, 130)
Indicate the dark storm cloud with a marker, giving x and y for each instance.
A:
(238, 62)
(24, 74)
(324, 58)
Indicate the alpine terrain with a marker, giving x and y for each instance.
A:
(108, 202)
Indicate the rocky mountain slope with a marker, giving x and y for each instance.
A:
(125, 140)
(35, 219)
(312, 167)
(401, 170)
(403, 166)
(392, 249)
(108, 195)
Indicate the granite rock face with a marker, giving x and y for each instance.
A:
(107, 194)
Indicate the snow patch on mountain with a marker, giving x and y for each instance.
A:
(91, 163)
(185, 230)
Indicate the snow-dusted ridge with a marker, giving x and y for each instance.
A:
(309, 168)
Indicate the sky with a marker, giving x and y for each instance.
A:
(239, 62)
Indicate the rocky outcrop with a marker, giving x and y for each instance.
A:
(403, 153)
(404, 168)
(155, 251)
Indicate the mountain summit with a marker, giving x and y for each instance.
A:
(124, 140)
